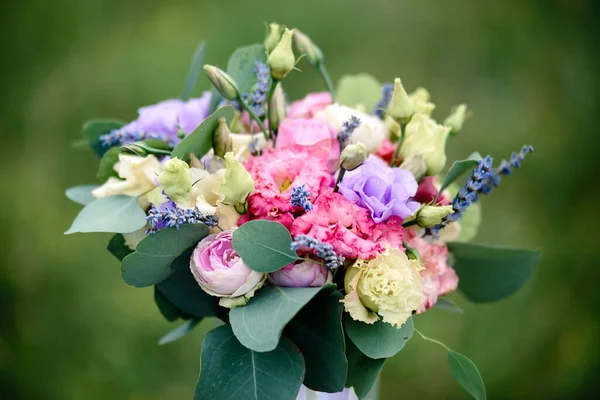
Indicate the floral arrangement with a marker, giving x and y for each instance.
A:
(316, 231)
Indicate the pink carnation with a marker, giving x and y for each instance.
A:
(309, 106)
(277, 172)
(438, 277)
(348, 228)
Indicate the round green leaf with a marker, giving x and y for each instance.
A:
(92, 130)
(378, 340)
(264, 245)
(118, 248)
(231, 371)
(241, 66)
(115, 214)
(166, 308)
(362, 370)
(81, 194)
(466, 374)
(358, 89)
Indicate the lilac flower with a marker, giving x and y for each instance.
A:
(383, 190)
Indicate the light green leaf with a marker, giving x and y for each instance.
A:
(92, 130)
(199, 142)
(448, 305)
(466, 374)
(194, 73)
(151, 262)
(81, 194)
(490, 273)
(317, 331)
(180, 331)
(115, 214)
(118, 248)
(378, 340)
(258, 324)
(231, 371)
(359, 89)
(458, 168)
(264, 245)
(241, 65)
(362, 370)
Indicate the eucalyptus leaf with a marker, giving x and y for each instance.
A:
(81, 194)
(180, 331)
(92, 130)
(166, 308)
(358, 89)
(151, 262)
(118, 248)
(107, 163)
(200, 141)
(231, 371)
(491, 273)
(458, 168)
(258, 324)
(448, 305)
(378, 340)
(241, 66)
(264, 245)
(317, 331)
(466, 374)
(194, 73)
(362, 370)
(115, 214)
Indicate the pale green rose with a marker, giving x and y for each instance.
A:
(237, 182)
(176, 179)
(281, 60)
(424, 136)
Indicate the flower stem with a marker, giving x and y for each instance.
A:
(400, 140)
(327, 79)
(432, 340)
(272, 127)
(254, 117)
(339, 179)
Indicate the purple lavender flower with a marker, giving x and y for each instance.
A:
(383, 190)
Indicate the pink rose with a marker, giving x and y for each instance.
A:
(310, 132)
(309, 106)
(303, 274)
(221, 272)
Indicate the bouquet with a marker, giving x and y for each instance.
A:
(315, 231)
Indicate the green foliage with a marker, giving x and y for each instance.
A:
(466, 374)
(194, 73)
(317, 331)
(117, 247)
(151, 262)
(491, 273)
(81, 194)
(362, 370)
(230, 370)
(359, 89)
(241, 65)
(107, 163)
(458, 168)
(448, 305)
(264, 245)
(378, 340)
(92, 130)
(166, 308)
(180, 331)
(114, 214)
(199, 142)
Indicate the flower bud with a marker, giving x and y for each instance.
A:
(401, 107)
(415, 164)
(237, 126)
(222, 138)
(457, 117)
(176, 179)
(303, 274)
(224, 83)
(277, 108)
(272, 37)
(314, 55)
(237, 182)
(424, 136)
(420, 97)
(429, 216)
(281, 60)
(353, 156)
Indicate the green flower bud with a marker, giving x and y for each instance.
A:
(306, 46)
(222, 138)
(222, 82)
(236, 125)
(237, 182)
(273, 37)
(457, 118)
(353, 156)
(401, 107)
(415, 164)
(176, 179)
(276, 108)
(281, 60)
(429, 216)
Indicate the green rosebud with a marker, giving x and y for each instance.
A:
(222, 82)
(401, 107)
(314, 55)
(429, 216)
(272, 37)
(237, 125)
(276, 108)
(457, 118)
(176, 179)
(281, 60)
(222, 138)
(237, 182)
(415, 164)
(353, 156)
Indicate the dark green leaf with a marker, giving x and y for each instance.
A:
(107, 163)
(92, 130)
(358, 89)
(81, 194)
(195, 69)
(231, 371)
(118, 248)
(180, 331)
(448, 305)
(199, 142)
(378, 340)
(466, 374)
(317, 331)
(115, 214)
(362, 370)
(258, 324)
(264, 245)
(151, 261)
(490, 273)
(458, 168)
(242, 63)
(168, 310)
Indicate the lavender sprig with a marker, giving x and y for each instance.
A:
(117, 137)
(384, 101)
(505, 168)
(348, 128)
(321, 250)
(168, 217)
(300, 198)
(258, 99)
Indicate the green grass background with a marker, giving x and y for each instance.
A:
(71, 329)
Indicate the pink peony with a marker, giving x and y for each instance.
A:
(310, 132)
(427, 191)
(348, 228)
(303, 274)
(309, 106)
(277, 172)
(438, 277)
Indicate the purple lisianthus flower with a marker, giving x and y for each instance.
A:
(385, 191)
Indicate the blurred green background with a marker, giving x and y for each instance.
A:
(71, 329)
